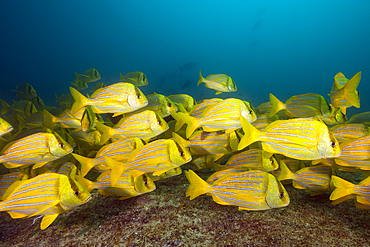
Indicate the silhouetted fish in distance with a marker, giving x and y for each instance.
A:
(187, 66)
(262, 11)
(186, 84)
(257, 24)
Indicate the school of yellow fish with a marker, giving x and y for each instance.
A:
(133, 140)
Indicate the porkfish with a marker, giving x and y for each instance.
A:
(117, 98)
(299, 138)
(49, 195)
(38, 149)
(250, 190)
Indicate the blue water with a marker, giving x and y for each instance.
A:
(298, 48)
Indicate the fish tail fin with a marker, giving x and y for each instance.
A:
(197, 185)
(343, 188)
(285, 172)
(179, 139)
(117, 169)
(192, 122)
(121, 77)
(350, 92)
(106, 132)
(48, 119)
(251, 134)
(77, 76)
(201, 79)
(276, 105)
(6, 107)
(80, 100)
(86, 163)
(179, 121)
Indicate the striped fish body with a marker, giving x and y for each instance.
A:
(34, 120)
(38, 148)
(119, 151)
(126, 187)
(315, 179)
(89, 76)
(144, 125)
(254, 159)
(67, 120)
(117, 98)
(344, 92)
(355, 153)
(157, 157)
(8, 179)
(86, 139)
(348, 131)
(363, 118)
(225, 115)
(300, 138)
(160, 104)
(207, 142)
(186, 100)
(198, 109)
(24, 108)
(264, 120)
(219, 82)
(250, 190)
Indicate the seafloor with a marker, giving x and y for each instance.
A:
(165, 217)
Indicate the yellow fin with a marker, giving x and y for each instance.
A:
(80, 100)
(201, 79)
(218, 92)
(251, 134)
(136, 173)
(105, 131)
(86, 163)
(343, 188)
(197, 185)
(192, 122)
(350, 92)
(117, 169)
(47, 220)
(276, 105)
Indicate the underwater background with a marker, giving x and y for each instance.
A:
(281, 47)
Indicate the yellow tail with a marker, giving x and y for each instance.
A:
(6, 107)
(201, 79)
(179, 139)
(105, 131)
(80, 100)
(197, 185)
(86, 163)
(251, 134)
(276, 105)
(343, 188)
(192, 122)
(48, 120)
(285, 172)
(350, 92)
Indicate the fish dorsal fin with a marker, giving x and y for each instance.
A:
(12, 189)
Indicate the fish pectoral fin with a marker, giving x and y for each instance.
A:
(47, 220)
(136, 173)
(46, 207)
(157, 173)
(217, 93)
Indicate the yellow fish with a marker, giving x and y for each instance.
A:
(117, 98)
(160, 104)
(186, 100)
(344, 92)
(144, 125)
(49, 194)
(126, 187)
(157, 157)
(225, 115)
(5, 127)
(119, 151)
(24, 90)
(250, 190)
(219, 82)
(7, 180)
(355, 153)
(299, 138)
(137, 78)
(315, 179)
(349, 131)
(88, 76)
(38, 149)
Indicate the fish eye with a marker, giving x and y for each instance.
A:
(281, 194)
(145, 183)
(143, 77)
(250, 112)
(76, 193)
(61, 145)
(332, 144)
(138, 96)
(169, 104)
(272, 162)
(182, 153)
(159, 122)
